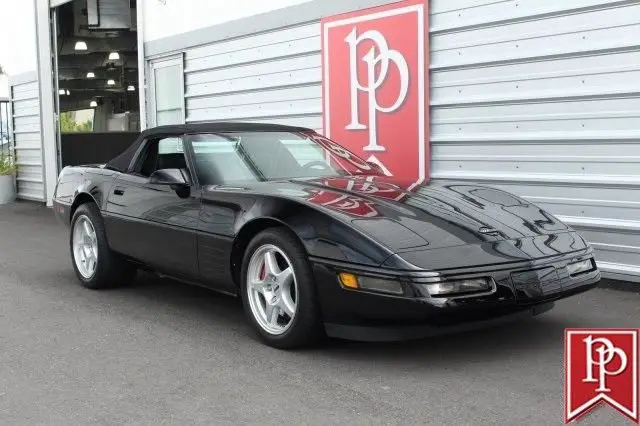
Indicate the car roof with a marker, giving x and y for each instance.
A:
(220, 126)
(123, 161)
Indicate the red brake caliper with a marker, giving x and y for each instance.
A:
(263, 272)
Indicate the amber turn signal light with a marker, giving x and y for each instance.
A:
(349, 280)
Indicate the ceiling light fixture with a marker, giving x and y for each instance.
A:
(93, 104)
(91, 75)
(111, 83)
(131, 89)
(61, 92)
(80, 45)
(114, 56)
(68, 92)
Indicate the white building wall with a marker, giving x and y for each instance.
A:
(539, 97)
(163, 18)
(27, 137)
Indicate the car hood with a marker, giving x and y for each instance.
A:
(424, 216)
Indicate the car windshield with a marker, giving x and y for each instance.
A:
(234, 157)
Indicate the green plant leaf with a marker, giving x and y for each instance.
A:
(8, 166)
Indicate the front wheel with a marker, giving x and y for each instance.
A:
(278, 290)
(95, 265)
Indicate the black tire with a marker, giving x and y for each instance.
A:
(306, 328)
(111, 269)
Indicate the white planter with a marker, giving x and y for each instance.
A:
(7, 189)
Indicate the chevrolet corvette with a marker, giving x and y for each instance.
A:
(313, 239)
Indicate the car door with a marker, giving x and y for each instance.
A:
(150, 222)
(217, 162)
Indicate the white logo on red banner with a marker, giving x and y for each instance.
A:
(601, 365)
(380, 61)
(375, 86)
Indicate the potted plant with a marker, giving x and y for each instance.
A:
(8, 169)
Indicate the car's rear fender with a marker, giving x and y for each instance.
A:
(79, 184)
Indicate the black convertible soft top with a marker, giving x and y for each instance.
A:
(121, 162)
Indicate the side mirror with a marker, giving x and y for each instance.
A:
(175, 178)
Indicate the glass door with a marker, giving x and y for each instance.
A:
(167, 91)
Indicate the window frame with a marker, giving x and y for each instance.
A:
(166, 62)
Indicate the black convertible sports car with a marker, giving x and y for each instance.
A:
(314, 239)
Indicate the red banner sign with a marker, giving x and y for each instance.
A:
(375, 86)
(601, 365)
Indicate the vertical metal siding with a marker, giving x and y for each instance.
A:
(539, 97)
(28, 141)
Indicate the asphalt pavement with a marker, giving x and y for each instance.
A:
(161, 352)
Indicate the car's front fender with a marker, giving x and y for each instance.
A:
(322, 235)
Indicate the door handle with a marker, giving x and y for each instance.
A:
(118, 191)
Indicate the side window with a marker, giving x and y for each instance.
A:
(221, 160)
(165, 153)
(169, 146)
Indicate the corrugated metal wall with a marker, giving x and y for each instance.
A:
(539, 97)
(27, 139)
(272, 77)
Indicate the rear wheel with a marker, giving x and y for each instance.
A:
(95, 265)
(278, 290)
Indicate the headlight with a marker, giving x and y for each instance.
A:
(460, 287)
(451, 288)
(580, 266)
(379, 285)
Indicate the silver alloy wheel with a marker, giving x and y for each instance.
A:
(85, 247)
(272, 289)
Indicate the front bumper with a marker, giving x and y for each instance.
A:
(406, 332)
(361, 315)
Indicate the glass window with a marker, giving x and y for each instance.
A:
(305, 152)
(166, 153)
(236, 157)
(170, 146)
(79, 121)
(218, 161)
(168, 87)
